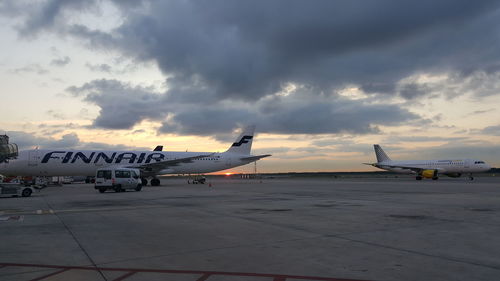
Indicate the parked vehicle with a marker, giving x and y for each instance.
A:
(67, 180)
(118, 179)
(15, 189)
(197, 180)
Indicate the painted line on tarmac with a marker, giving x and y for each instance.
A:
(50, 274)
(204, 274)
(124, 276)
(204, 277)
(62, 211)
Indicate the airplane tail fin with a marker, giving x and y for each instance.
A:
(379, 152)
(243, 143)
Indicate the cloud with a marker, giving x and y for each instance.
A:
(123, 105)
(32, 68)
(228, 64)
(26, 140)
(103, 67)
(419, 139)
(246, 51)
(488, 152)
(241, 52)
(55, 114)
(482, 111)
(46, 15)
(491, 130)
(60, 61)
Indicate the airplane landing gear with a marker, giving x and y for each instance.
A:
(435, 178)
(155, 182)
(144, 181)
(419, 178)
(471, 177)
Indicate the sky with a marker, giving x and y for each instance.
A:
(322, 80)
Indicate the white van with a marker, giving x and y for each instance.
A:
(118, 179)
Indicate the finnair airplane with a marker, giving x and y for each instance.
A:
(59, 162)
(429, 168)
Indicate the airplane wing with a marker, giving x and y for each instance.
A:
(254, 158)
(152, 168)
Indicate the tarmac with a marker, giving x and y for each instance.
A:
(250, 229)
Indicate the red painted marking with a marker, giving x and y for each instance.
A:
(50, 274)
(279, 279)
(199, 272)
(126, 275)
(203, 277)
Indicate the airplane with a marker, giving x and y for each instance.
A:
(430, 169)
(61, 162)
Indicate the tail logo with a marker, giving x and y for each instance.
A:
(243, 140)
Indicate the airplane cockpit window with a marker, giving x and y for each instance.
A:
(479, 162)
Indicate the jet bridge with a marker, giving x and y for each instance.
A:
(7, 150)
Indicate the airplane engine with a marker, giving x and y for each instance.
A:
(429, 174)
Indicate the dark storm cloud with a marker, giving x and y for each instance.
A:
(45, 15)
(122, 106)
(411, 91)
(249, 50)
(224, 59)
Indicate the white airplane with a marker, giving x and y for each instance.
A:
(59, 162)
(429, 168)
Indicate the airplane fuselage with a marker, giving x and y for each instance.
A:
(86, 162)
(446, 167)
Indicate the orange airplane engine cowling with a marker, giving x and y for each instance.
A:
(429, 174)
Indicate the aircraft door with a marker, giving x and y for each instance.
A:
(228, 162)
(33, 158)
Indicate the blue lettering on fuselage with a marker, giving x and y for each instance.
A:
(106, 158)
(126, 155)
(82, 156)
(141, 157)
(156, 156)
(70, 156)
(67, 157)
(49, 156)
